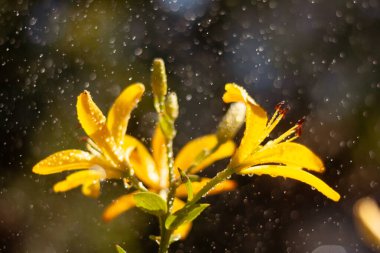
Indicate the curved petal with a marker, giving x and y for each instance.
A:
(294, 173)
(225, 150)
(236, 93)
(71, 159)
(94, 124)
(227, 185)
(188, 155)
(288, 153)
(142, 162)
(256, 121)
(119, 206)
(183, 230)
(160, 156)
(120, 112)
(191, 153)
(78, 178)
(91, 189)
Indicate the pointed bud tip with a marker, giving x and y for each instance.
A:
(159, 80)
(231, 122)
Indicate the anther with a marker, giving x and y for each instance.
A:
(282, 108)
(299, 126)
(84, 138)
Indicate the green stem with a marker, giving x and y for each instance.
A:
(165, 236)
(172, 183)
(165, 233)
(220, 177)
(136, 183)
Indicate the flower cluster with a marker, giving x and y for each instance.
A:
(166, 181)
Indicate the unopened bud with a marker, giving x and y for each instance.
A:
(231, 122)
(171, 105)
(159, 82)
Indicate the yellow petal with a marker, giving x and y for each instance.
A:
(224, 151)
(78, 178)
(235, 93)
(120, 112)
(142, 162)
(294, 173)
(91, 189)
(190, 153)
(94, 124)
(183, 230)
(227, 185)
(118, 206)
(367, 217)
(256, 121)
(71, 159)
(160, 156)
(288, 153)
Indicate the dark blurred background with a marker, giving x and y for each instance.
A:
(321, 57)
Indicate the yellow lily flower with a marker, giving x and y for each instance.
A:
(278, 157)
(108, 147)
(186, 158)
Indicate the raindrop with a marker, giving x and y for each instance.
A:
(92, 76)
(138, 51)
(33, 21)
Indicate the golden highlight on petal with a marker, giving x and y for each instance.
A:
(235, 93)
(256, 121)
(288, 153)
(71, 159)
(89, 114)
(78, 178)
(94, 124)
(190, 154)
(118, 206)
(224, 151)
(142, 162)
(160, 156)
(227, 185)
(295, 173)
(120, 112)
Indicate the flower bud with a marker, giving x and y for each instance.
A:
(231, 122)
(159, 82)
(171, 105)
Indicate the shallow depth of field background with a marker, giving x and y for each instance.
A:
(321, 57)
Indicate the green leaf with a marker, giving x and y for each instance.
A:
(151, 203)
(120, 249)
(187, 181)
(184, 215)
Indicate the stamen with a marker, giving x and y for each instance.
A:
(84, 138)
(282, 108)
(92, 150)
(299, 126)
(92, 147)
(274, 117)
(285, 135)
